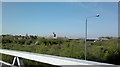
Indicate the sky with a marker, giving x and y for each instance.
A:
(60, 0)
(0, 18)
(66, 19)
(118, 19)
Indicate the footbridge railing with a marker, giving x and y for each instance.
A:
(49, 59)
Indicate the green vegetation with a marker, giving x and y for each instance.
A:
(101, 51)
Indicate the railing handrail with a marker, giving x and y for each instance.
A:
(54, 60)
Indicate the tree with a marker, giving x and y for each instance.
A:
(28, 42)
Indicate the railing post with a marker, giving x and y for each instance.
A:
(14, 60)
(19, 62)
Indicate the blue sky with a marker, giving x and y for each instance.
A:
(63, 18)
(0, 18)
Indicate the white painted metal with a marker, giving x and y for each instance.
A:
(54, 60)
(14, 60)
(18, 61)
(4, 63)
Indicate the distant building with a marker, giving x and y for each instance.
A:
(74, 39)
(26, 35)
(92, 40)
(105, 38)
(54, 35)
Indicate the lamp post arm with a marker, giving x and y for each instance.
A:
(90, 17)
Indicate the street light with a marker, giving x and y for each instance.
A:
(97, 15)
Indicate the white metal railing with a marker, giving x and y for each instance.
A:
(3, 63)
(54, 60)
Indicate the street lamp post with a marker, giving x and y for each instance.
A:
(86, 34)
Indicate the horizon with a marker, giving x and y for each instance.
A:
(66, 19)
(58, 36)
